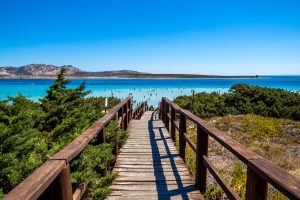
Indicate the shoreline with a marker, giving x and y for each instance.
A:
(133, 77)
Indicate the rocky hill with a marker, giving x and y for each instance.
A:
(41, 71)
(38, 70)
(51, 70)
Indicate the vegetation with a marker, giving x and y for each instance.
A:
(278, 140)
(30, 132)
(88, 168)
(264, 120)
(245, 99)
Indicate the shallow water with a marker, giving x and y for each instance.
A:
(145, 89)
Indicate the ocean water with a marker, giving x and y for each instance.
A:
(145, 89)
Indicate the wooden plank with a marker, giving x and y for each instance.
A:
(152, 183)
(149, 170)
(120, 159)
(154, 196)
(189, 141)
(150, 193)
(143, 166)
(149, 162)
(161, 173)
(153, 178)
(179, 187)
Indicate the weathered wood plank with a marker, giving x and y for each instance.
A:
(152, 183)
(152, 187)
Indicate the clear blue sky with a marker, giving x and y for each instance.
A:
(158, 36)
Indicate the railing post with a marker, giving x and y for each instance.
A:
(65, 183)
(126, 116)
(122, 113)
(116, 148)
(61, 187)
(103, 141)
(165, 113)
(256, 187)
(163, 110)
(182, 130)
(130, 107)
(129, 112)
(167, 117)
(173, 131)
(202, 150)
(160, 110)
(138, 111)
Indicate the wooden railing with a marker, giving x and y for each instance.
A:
(139, 110)
(52, 180)
(260, 171)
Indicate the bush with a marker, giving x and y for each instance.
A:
(88, 169)
(31, 131)
(245, 99)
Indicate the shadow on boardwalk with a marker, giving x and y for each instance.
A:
(161, 181)
(149, 166)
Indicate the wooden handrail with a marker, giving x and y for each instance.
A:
(53, 179)
(260, 171)
(139, 110)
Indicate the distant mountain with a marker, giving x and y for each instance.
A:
(38, 70)
(50, 70)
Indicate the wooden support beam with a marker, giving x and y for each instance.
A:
(173, 130)
(61, 187)
(103, 141)
(182, 130)
(256, 187)
(201, 150)
(125, 116)
(167, 118)
(79, 191)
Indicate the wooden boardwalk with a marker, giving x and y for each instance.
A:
(149, 166)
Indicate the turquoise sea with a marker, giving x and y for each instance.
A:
(145, 89)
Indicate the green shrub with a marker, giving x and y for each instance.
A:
(31, 131)
(88, 169)
(239, 176)
(115, 135)
(214, 192)
(245, 99)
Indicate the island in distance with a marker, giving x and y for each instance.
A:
(51, 71)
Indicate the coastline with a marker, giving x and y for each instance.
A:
(148, 76)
